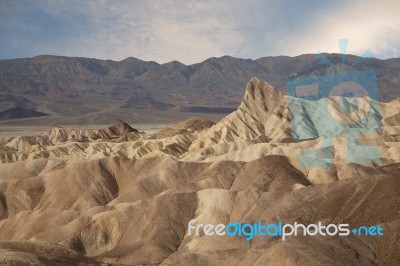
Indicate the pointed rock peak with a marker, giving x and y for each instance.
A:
(257, 88)
(122, 127)
(260, 99)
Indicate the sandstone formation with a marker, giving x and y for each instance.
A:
(123, 197)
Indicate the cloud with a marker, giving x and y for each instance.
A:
(191, 31)
(163, 31)
(366, 24)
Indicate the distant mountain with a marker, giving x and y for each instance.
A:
(135, 84)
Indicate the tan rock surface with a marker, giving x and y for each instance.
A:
(127, 197)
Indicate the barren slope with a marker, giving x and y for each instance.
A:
(120, 196)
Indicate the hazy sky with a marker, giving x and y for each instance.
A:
(191, 31)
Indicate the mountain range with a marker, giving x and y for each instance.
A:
(81, 90)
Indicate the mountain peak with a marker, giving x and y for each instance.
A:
(120, 127)
(259, 91)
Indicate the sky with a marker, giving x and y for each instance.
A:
(192, 31)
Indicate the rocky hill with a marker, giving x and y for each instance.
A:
(122, 197)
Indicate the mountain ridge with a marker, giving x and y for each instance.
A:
(173, 86)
